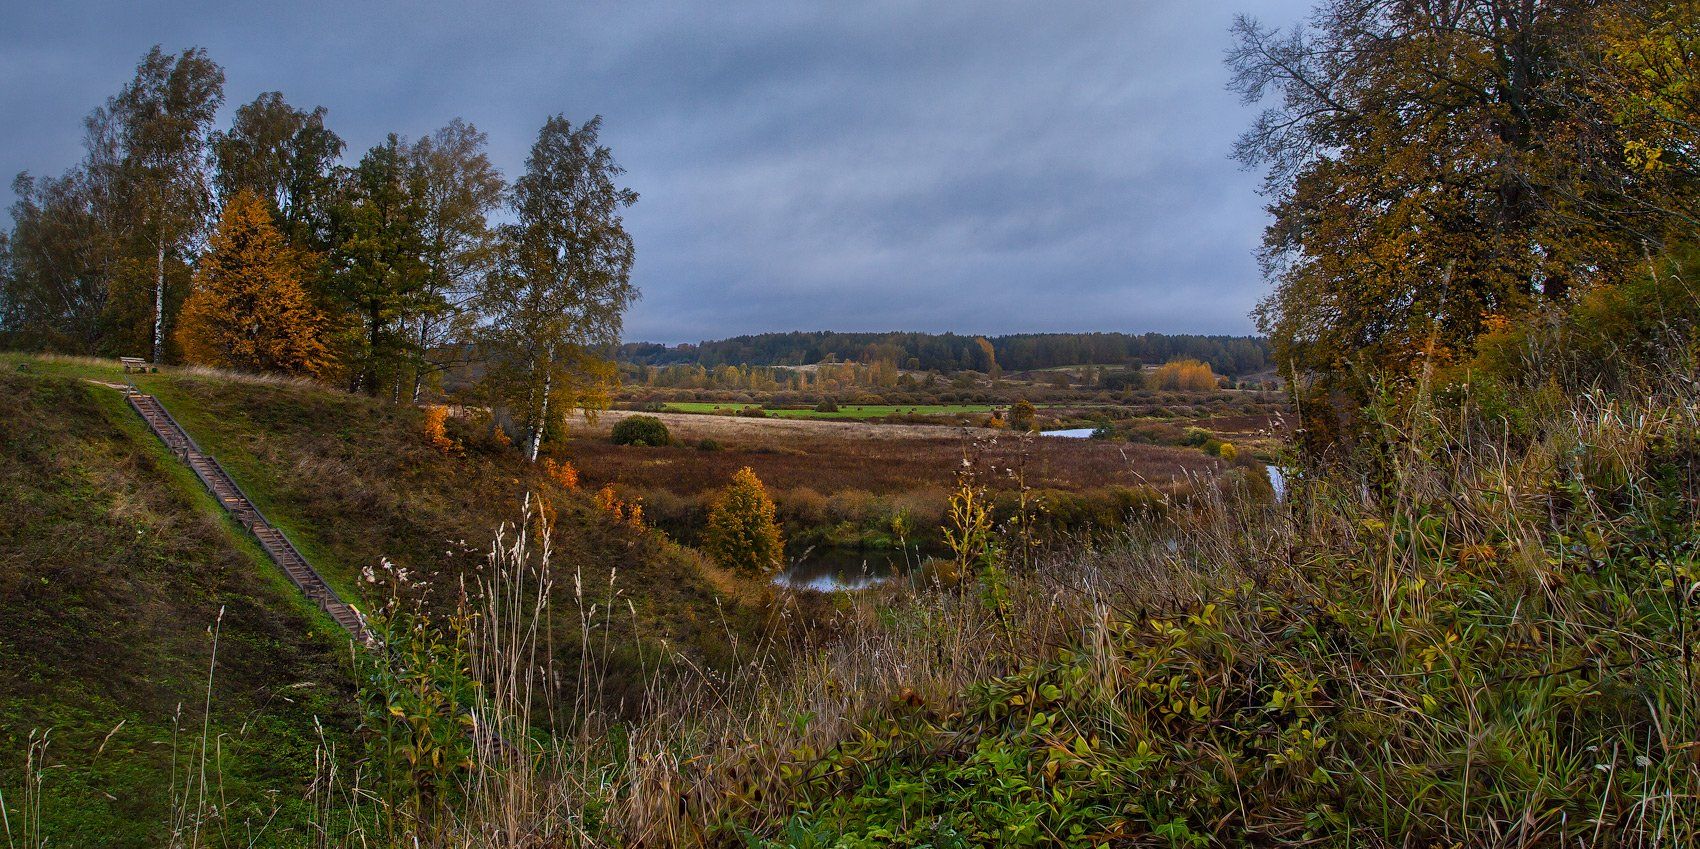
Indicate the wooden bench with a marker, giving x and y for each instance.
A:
(135, 364)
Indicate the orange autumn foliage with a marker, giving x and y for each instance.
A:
(563, 472)
(248, 309)
(1190, 375)
(436, 417)
(624, 513)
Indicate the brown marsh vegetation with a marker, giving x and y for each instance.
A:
(882, 459)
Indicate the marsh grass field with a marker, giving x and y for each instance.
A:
(846, 411)
(877, 458)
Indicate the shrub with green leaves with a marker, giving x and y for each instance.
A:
(641, 430)
(1022, 415)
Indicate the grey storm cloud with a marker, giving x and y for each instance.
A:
(989, 167)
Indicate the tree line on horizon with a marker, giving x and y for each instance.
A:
(257, 247)
(951, 352)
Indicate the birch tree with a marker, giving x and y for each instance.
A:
(553, 309)
(151, 139)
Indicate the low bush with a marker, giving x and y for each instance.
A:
(640, 430)
(1196, 437)
(804, 506)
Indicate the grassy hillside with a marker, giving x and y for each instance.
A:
(1494, 649)
(1492, 645)
(354, 480)
(114, 568)
(115, 563)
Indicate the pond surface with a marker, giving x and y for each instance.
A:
(1277, 482)
(833, 570)
(1071, 433)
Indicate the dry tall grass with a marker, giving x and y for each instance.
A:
(1493, 649)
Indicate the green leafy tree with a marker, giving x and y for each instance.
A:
(458, 188)
(1647, 137)
(60, 264)
(149, 143)
(287, 157)
(1022, 414)
(1424, 177)
(742, 533)
(380, 280)
(555, 303)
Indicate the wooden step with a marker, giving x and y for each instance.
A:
(272, 541)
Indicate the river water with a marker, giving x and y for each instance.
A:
(1071, 433)
(832, 570)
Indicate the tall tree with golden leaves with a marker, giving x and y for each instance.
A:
(249, 309)
(1424, 178)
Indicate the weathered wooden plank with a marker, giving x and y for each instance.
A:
(230, 496)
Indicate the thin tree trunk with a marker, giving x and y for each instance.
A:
(159, 301)
(374, 338)
(419, 367)
(542, 412)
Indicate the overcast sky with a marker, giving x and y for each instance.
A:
(985, 167)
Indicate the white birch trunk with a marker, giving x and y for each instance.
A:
(419, 367)
(159, 302)
(542, 413)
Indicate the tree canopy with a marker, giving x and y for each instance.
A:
(1437, 168)
(554, 305)
(953, 352)
(286, 156)
(248, 309)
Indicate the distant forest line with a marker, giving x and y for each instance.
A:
(1231, 355)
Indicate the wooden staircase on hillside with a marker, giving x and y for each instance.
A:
(242, 509)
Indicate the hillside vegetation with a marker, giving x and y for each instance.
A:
(116, 571)
(115, 563)
(1467, 618)
(1493, 648)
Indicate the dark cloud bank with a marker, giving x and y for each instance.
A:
(972, 166)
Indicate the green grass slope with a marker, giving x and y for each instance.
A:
(354, 480)
(1496, 650)
(114, 567)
